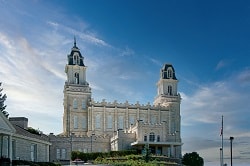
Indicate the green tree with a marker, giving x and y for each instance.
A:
(2, 99)
(192, 159)
(146, 152)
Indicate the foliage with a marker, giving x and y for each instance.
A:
(24, 162)
(2, 99)
(136, 160)
(4, 160)
(121, 158)
(191, 159)
(146, 152)
(33, 131)
(92, 156)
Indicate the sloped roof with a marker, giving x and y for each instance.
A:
(25, 133)
(5, 126)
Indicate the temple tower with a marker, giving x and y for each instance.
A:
(77, 94)
(168, 96)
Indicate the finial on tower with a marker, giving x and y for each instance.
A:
(74, 41)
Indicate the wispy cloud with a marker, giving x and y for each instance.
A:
(86, 36)
(127, 52)
(26, 75)
(244, 77)
(155, 61)
(222, 64)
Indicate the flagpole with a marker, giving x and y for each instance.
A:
(222, 158)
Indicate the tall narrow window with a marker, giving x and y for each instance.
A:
(83, 104)
(76, 78)
(110, 120)
(58, 155)
(145, 138)
(33, 152)
(84, 123)
(131, 119)
(76, 59)
(158, 138)
(75, 103)
(152, 137)
(98, 121)
(170, 73)
(75, 122)
(63, 153)
(170, 90)
(120, 122)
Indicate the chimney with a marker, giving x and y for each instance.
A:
(19, 121)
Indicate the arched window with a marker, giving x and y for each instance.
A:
(170, 90)
(170, 73)
(76, 78)
(152, 137)
(76, 59)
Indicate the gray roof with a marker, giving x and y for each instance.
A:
(164, 71)
(26, 133)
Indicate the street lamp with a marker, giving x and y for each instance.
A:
(221, 156)
(231, 149)
(91, 141)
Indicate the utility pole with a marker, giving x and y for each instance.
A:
(231, 149)
(222, 157)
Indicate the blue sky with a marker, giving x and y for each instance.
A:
(125, 43)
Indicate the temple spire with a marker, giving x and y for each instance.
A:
(74, 41)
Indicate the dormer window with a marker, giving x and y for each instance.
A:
(169, 73)
(76, 59)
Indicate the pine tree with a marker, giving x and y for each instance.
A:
(2, 99)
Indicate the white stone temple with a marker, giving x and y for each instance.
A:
(91, 126)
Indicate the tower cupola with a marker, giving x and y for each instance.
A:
(75, 57)
(167, 72)
(167, 86)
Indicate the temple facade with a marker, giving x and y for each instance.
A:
(92, 126)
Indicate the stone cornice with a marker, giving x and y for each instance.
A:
(115, 104)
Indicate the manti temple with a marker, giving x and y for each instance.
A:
(91, 126)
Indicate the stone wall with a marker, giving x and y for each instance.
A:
(62, 146)
(22, 149)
